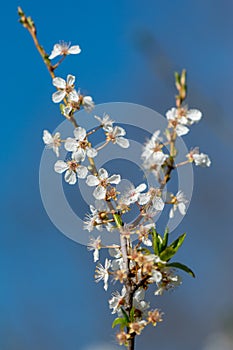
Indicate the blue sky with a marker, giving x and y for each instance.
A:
(130, 50)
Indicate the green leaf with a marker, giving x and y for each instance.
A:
(165, 239)
(126, 317)
(121, 321)
(182, 267)
(172, 249)
(156, 241)
(178, 242)
(131, 315)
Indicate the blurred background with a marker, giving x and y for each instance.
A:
(130, 49)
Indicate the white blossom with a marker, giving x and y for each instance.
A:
(143, 234)
(53, 142)
(139, 302)
(74, 96)
(102, 273)
(201, 160)
(181, 118)
(116, 136)
(150, 165)
(95, 244)
(88, 103)
(153, 150)
(157, 203)
(193, 116)
(156, 276)
(64, 49)
(170, 280)
(133, 194)
(92, 220)
(117, 300)
(178, 202)
(102, 181)
(106, 122)
(64, 87)
(72, 170)
(117, 262)
(79, 145)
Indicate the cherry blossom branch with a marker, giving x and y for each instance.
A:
(28, 23)
(136, 266)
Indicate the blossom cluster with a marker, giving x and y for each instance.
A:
(134, 265)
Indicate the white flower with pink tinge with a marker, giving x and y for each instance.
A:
(52, 141)
(88, 103)
(133, 194)
(116, 136)
(180, 119)
(72, 170)
(80, 145)
(95, 244)
(102, 181)
(199, 159)
(64, 87)
(179, 202)
(63, 49)
(117, 300)
(153, 150)
(102, 273)
(106, 122)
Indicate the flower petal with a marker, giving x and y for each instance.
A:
(79, 155)
(82, 172)
(122, 142)
(71, 145)
(74, 96)
(59, 83)
(158, 203)
(80, 133)
(159, 157)
(92, 180)
(140, 188)
(56, 51)
(119, 131)
(182, 208)
(99, 192)
(103, 174)
(171, 114)
(60, 166)
(114, 179)
(74, 50)
(58, 96)
(194, 115)
(70, 79)
(144, 198)
(181, 130)
(171, 213)
(88, 103)
(91, 152)
(47, 137)
(70, 177)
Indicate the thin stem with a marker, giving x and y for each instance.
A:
(182, 163)
(103, 145)
(59, 62)
(94, 130)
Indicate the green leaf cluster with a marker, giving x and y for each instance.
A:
(165, 252)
